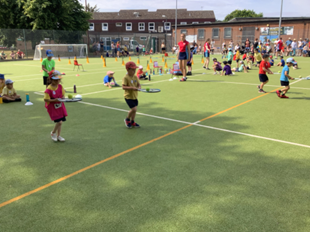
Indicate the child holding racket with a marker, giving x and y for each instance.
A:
(284, 79)
(184, 55)
(131, 85)
(56, 109)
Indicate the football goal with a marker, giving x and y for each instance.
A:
(61, 50)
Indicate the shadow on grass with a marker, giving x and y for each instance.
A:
(194, 180)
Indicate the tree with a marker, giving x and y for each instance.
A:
(242, 14)
(92, 9)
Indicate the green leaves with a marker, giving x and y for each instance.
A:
(243, 14)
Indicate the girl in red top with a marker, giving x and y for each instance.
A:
(118, 48)
(207, 51)
(184, 55)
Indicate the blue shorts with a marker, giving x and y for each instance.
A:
(207, 54)
(119, 49)
(183, 56)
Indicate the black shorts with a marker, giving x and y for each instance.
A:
(258, 62)
(218, 69)
(189, 64)
(61, 119)
(285, 83)
(163, 49)
(263, 78)
(132, 103)
(237, 60)
(46, 81)
(229, 62)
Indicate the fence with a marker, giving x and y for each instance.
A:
(99, 43)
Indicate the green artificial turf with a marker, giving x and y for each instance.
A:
(195, 179)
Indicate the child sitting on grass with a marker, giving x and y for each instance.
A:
(216, 66)
(140, 74)
(9, 93)
(271, 61)
(108, 78)
(295, 65)
(282, 62)
(242, 68)
(2, 83)
(226, 69)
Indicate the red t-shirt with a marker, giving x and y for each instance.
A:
(207, 45)
(262, 65)
(139, 72)
(183, 45)
(20, 53)
(244, 57)
(280, 44)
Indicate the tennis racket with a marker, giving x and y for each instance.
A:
(302, 78)
(69, 100)
(149, 90)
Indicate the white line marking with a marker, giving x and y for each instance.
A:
(196, 122)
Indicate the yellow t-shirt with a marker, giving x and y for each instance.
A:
(238, 55)
(132, 82)
(1, 87)
(47, 96)
(258, 57)
(9, 92)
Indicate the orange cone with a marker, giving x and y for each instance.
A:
(69, 61)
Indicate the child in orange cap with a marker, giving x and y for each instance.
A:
(131, 85)
(108, 78)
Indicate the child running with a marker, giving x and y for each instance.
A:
(263, 68)
(55, 108)
(131, 85)
(183, 55)
(284, 79)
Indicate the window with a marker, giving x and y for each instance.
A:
(215, 33)
(151, 26)
(143, 38)
(126, 39)
(201, 33)
(167, 26)
(184, 32)
(160, 29)
(207, 22)
(183, 23)
(141, 26)
(128, 26)
(105, 26)
(195, 22)
(91, 27)
(227, 32)
(118, 24)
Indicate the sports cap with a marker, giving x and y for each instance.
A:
(49, 53)
(140, 67)
(2, 76)
(9, 81)
(110, 72)
(131, 65)
(55, 75)
(290, 60)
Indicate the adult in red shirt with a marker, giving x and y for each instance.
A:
(263, 68)
(207, 51)
(20, 54)
(184, 55)
(279, 47)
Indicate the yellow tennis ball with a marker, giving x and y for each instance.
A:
(147, 89)
(70, 96)
(300, 76)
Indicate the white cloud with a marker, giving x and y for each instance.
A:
(221, 8)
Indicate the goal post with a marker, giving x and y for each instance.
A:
(61, 50)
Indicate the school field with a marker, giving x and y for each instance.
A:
(212, 154)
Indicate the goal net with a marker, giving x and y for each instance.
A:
(61, 50)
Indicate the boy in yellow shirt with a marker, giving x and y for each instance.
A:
(257, 57)
(9, 93)
(238, 57)
(131, 85)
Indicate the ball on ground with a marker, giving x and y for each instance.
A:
(300, 76)
(279, 71)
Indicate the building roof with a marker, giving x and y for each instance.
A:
(145, 14)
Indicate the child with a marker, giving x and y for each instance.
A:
(230, 56)
(227, 69)
(131, 86)
(224, 52)
(189, 64)
(244, 56)
(9, 93)
(284, 79)
(282, 62)
(263, 68)
(257, 58)
(216, 66)
(2, 83)
(295, 65)
(183, 55)
(108, 78)
(249, 60)
(242, 68)
(141, 75)
(55, 108)
(13, 55)
(238, 57)
(271, 61)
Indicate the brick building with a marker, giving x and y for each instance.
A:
(239, 29)
(141, 25)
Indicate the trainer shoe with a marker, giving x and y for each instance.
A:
(183, 79)
(60, 139)
(283, 96)
(215, 73)
(258, 86)
(261, 91)
(278, 93)
(127, 123)
(134, 124)
(54, 136)
(208, 69)
(203, 66)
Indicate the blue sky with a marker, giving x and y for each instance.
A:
(221, 8)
